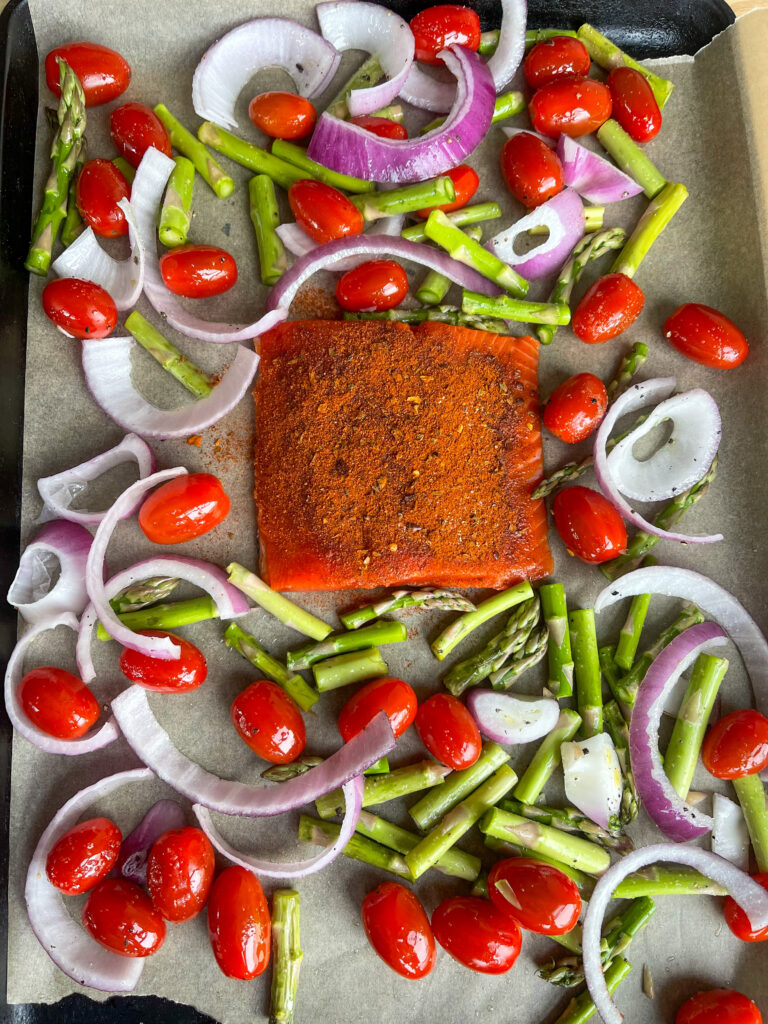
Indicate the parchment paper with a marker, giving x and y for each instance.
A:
(714, 252)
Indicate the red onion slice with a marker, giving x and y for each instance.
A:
(31, 594)
(428, 93)
(65, 941)
(162, 817)
(750, 896)
(635, 398)
(593, 778)
(59, 490)
(226, 67)
(730, 835)
(353, 801)
(593, 177)
(14, 673)
(298, 242)
(151, 743)
(346, 147)
(510, 720)
(107, 369)
(563, 216)
(352, 25)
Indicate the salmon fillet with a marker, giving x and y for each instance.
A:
(389, 454)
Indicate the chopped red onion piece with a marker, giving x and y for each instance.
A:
(298, 242)
(593, 177)
(510, 720)
(730, 835)
(162, 817)
(592, 776)
(563, 216)
(58, 544)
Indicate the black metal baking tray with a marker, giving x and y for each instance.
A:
(645, 28)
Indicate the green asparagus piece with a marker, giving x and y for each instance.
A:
(297, 157)
(445, 600)
(663, 881)
(292, 770)
(459, 218)
(682, 753)
(443, 232)
(507, 105)
(531, 653)
(148, 591)
(540, 35)
(594, 219)
(433, 806)
(286, 955)
(324, 833)
(175, 214)
(344, 669)
(434, 287)
(250, 156)
(265, 217)
(461, 628)
(555, 611)
(609, 56)
(585, 883)
(631, 631)
(437, 314)
(581, 1008)
(547, 758)
(167, 616)
(73, 225)
(659, 213)
(617, 728)
(569, 819)
(628, 367)
(480, 887)
(376, 205)
(394, 112)
(459, 820)
(572, 850)
(386, 632)
(631, 158)
(612, 676)
(193, 149)
(170, 358)
(586, 667)
(378, 789)
(367, 74)
(509, 308)
(751, 794)
(127, 171)
(286, 611)
(252, 651)
(453, 862)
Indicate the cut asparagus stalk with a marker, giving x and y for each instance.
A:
(250, 156)
(286, 955)
(435, 286)
(547, 758)
(345, 669)
(569, 819)
(459, 218)
(286, 611)
(437, 314)
(612, 676)
(73, 225)
(631, 631)
(630, 363)
(394, 112)
(508, 308)
(387, 632)
(682, 754)
(443, 232)
(375, 205)
(175, 214)
(286, 772)
(581, 1008)
(324, 833)
(435, 805)
(453, 862)
(193, 149)
(127, 171)
(751, 794)
(560, 660)
(173, 360)
(631, 158)
(252, 651)
(445, 600)
(297, 157)
(572, 850)
(265, 217)
(657, 216)
(586, 667)
(531, 653)
(617, 728)
(378, 789)
(139, 595)
(661, 881)
(463, 626)
(609, 56)
(368, 74)
(168, 615)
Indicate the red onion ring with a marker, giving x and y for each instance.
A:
(593, 177)
(162, 817)
(298, 242)
(563, 216)
(69, 544)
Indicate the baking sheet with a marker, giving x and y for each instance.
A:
(714, 252)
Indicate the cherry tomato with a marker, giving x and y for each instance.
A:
(57, 702)
(718, 1006)
(738, 921)
(589, 525)
(538, 896)
(531, 170)
(576, 408)
(477, 934)
(706, 336)
(607, 308)
(372, 286)
(198, 271)
(83, 856)
(324, 212)
(120, 916)
(737, 745)
(559, 57)
(465, 184)
(100, 187)
(134, 128)
(398, 929)
(103, 73)
(384, 127)
(186, 673)
(448, 731)
(634, 105)
(571, 106)
(282, 115)
(437, 27)
(239, 925)
(180, 873)
(393, 696)
(269, 721)
(81, 309)
(184, 508)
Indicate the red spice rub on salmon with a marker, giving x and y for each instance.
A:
(388, 454)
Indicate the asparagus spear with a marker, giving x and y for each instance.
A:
(283, 609)
(324, 833)
(490, 40)
(252, 651)
(296, 156)
(250, 156)
(530, 654)
(509, 308)
(507, 105)
(197, 382)
(168, 615)
(630, 363)
(586, 666)
(345, 669)
(443, 232)
(375, 205)
(663, 881)
(378, 789)
(286, 955)
(612, 676)
(453, 862)
(393, 112)
(546, 758)
(435, 285)
(555, 610)
(459, 218)
(693, 714)
(127, 171)
(438, 314)
(73, 223)
(569, 819)
(193, 149)
(292, 770)
(435, 805)
(631, 631)
(657, 216)
(617, 729)
(585, 883)
(581, 1008)
(465, 624)
(445, 600)
(386, 632)
(631, 158)
(148, 591)
(175, 214)
(751, 794)
(573, 850)
(609, 56)
(265, 217)
(368, 74)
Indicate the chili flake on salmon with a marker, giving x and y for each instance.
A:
(393, 454)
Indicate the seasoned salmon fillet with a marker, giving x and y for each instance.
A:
(389, 454)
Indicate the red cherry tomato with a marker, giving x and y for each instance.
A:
(393, 696)
(239, 925)
(571, 106)
(375, 285)
(183, 509)
(186, 673)
(100, 187)
(57, 702)
(134, 128)
(269, 721)
(398, 929)
(83, 856)
(477, 934)
(324, 212)
(706, 336)
(120, 916)
(538, 896)
(465, 184)
(607, 308)
(576, 408)
(559, 57)
(437, 27)
(718, 1006)
(448, 731)
(738, 921)
(589, 525)
(634, 105)
(198, 271)
(282, 115)
(103, 73)
(180, 873)
(79, 308)
(531, 170)
(384, 127)
(737, 745)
